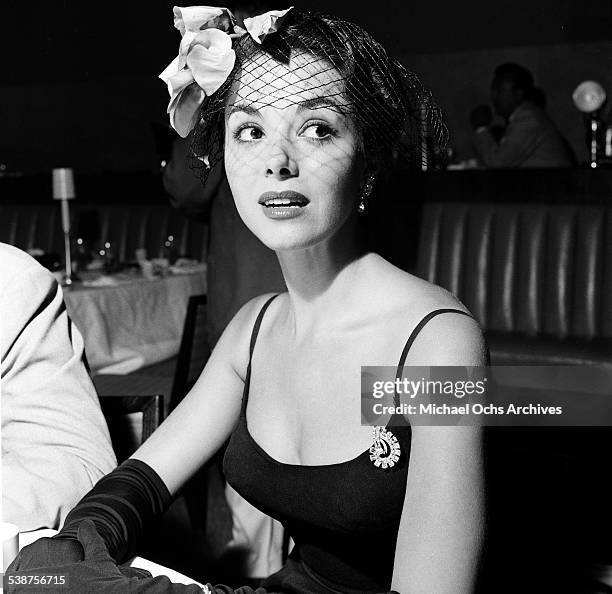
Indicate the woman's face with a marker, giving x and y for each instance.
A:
(292, 159)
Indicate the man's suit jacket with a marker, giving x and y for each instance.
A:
(530, 140)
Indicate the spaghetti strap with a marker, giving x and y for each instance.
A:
(415, 332)
(254, 333)
(258, 324)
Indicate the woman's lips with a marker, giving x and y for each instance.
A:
(286, 198)
(283, 205)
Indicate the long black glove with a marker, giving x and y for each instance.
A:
(98, 572)
(103, 529)
(120, 505)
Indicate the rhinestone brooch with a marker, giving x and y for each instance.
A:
(385, 451)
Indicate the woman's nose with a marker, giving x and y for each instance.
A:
(280, 165)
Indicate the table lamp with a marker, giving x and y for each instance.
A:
(588, 97)
(63, 190)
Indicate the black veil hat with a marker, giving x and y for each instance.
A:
(395, 115)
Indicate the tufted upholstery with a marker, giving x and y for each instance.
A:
(126, 226)
(538, 277)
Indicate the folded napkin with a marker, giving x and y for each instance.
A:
(101, 281)
(188, 268)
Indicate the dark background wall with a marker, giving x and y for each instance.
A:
(79, 84)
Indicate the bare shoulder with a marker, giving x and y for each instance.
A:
(406, 288)
(447, 338)
(450, 335)
(236, 338)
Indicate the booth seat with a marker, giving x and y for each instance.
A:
(126, 226)
(538, 277)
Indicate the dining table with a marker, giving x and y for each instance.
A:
(129, 321)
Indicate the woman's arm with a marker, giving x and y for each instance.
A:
(442, 526)
(204, 419)
(123, 502)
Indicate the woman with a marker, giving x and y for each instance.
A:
(306, 112)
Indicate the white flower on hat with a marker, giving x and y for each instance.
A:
(206, 57)
(205, 60)
(262, 25)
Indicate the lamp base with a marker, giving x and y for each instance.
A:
(67, 281)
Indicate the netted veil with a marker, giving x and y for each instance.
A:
(395, 115)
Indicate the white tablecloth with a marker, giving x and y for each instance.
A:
(134, 323)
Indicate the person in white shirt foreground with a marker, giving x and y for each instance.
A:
(55, 442)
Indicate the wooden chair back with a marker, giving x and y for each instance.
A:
(194, 350)
(130, 420)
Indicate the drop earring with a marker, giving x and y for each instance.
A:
(366, 190)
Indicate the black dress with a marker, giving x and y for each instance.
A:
(344, 517)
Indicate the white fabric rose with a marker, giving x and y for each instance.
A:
(195, 18)
(205, 60)
(262, 25)
(206, 57)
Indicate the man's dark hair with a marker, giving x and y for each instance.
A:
(519, 75)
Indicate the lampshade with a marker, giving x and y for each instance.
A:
(63, 184)
(589, 96)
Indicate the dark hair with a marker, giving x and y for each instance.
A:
(394, 113)
(519, 75)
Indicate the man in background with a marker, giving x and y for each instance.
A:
(55, 443)
(530, 137)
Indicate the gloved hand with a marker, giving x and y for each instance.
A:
(47, 552)
(95, 572)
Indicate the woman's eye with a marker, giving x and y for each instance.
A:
(318, 131)
(248, 134)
